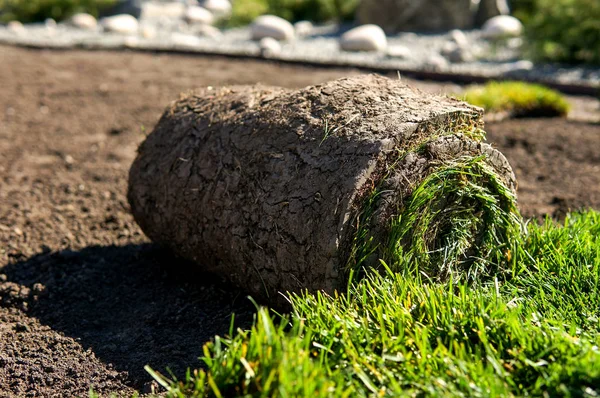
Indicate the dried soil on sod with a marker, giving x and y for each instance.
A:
(85, 299)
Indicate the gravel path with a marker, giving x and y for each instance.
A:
(421, 52)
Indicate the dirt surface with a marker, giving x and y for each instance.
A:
(85, 299)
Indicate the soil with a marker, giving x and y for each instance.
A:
(85, 299)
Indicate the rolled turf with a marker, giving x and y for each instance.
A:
(285, 190)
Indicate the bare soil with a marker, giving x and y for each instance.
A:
(85, 299)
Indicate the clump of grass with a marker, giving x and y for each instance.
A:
(518, 99)
(395, 333)
(459, 222)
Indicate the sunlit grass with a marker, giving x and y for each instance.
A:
(518, 99)
(534, 332)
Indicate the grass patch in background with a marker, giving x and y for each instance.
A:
(536, 332)
(561, 30)
(518, 99)
(39, 10)
(245, 11)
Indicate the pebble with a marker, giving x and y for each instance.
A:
(456, 54)
(459, 38)
(501, 27)
(269, 47)
(364, 38)
(199, 15)
(303, 28)
(50, 23)
(435, 62)
(84, 21)
(219, 8)
(124, 24)
(399, 51)
(185, 40)
(149, 32)
(206, 31)
(172, 10)
(271, 26)
(16, 27)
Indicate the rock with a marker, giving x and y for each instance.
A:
(124, 24)
(199, 15)
(490, 8)
(517, 67)
(206, 31)
(303, 28)
(456, 54)
(171, 10)
(16, 27)
(269, 47)
(84, 21)
(50, 23)
(219, 8)
(435, 62)
(459, 38)
(149, 32)
(364, 38)
(399, 51)
(185, 40)
(501, 27)
(271, 26)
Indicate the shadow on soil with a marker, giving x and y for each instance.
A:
(132, 305)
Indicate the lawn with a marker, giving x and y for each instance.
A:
(532, 330)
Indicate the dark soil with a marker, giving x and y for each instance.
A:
(85, 299)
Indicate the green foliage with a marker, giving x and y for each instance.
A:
(535, 332)
(40, 10)
(245, 11)
(561, 30)
(518, 99)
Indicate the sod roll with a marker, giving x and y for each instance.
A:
(285, 190)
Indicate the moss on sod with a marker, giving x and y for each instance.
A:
(534, 333)
(518, 98)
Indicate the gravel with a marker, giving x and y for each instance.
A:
(321, 46)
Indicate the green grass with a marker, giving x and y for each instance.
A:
(534, 331)
(245, 11)
(518, 99)
(39, 10)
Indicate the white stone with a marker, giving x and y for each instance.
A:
(459, 37)
(199, 15)
(219, 8)
(149, 32)
(271, 26)
(502, 26)
(456, 54)
(522, 65)
(16, 27)
(303, 28)
(399, 51)
(206, 31)
(435, 62)
(171, 10)
(84, 21)
(364, 38)
(124, 24)
(185, 40)
(269, 47)
(50, 23)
